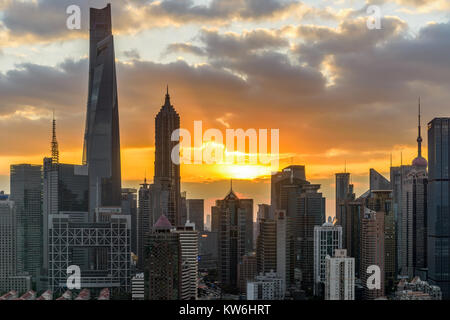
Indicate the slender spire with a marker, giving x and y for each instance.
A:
(167, 97)
(419, 138)
(231, 185)
(55, 151)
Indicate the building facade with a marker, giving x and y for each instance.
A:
(339, 276)
(438, 214)
(327, 239)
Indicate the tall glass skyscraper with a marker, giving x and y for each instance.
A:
(102, 141)
(438, 205)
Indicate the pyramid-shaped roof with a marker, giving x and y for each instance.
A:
(163, 223)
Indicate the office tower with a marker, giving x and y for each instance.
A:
(306, 206)
(292, 176)
(101, 151)
(378, 182)
(26, 192)
(350, 211)
(342, 188)
(327, 239)
(372, 251)
(129, 207)
(247, 271)
(268, 286)
(264, 212)
(414, 216)
(138, 287)
(9, 278)
(143, 222)
(208, 245)
(285, 248)
(339, 276)
(398, 179)
(167, 173)
(438, 215)
(188, 239)
(380, 201)
(247, 205)
(162, 264)
(266, 247)
(230, 219)
(196, 213)
(310, 212)
(72, 239)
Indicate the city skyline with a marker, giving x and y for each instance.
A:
(371, 125)
(87, 230)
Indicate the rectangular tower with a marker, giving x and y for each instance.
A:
(438, 204)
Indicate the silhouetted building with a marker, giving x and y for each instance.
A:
(266, 247)
(306, 206)
(208, 246)
(167, 172)
(26, 193)
(230, 219)
(129, 207)
(144, 221)
(438, 214)
(196, 213)
(342, 188)
(162, 264)
(9, 278)
(247, 271)
(101, 150)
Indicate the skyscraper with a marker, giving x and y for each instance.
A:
(266, 246)
(342, 188)
(188, 239)
(305, 205)
(167, 172)
(196, 213)
(327, 239)
(372, 250)
(414, 216)
(101, 150)
(438, 220)
(26, 192)
(129, 207)
(143, 222)
(230, 219)
(8, 253)
(162, 263)
(339, 276)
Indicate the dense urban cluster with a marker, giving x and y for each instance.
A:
(392, 242)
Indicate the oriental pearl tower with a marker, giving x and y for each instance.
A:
(419, 161)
